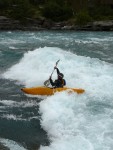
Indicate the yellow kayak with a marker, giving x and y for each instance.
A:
(50, 91)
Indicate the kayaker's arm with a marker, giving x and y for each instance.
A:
(51, 81)
(58, 72)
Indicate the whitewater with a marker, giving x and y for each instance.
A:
(71, 121)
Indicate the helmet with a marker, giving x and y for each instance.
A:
(60, 75)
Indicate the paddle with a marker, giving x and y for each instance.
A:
(47, 82)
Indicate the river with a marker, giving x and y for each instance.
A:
(62, 121)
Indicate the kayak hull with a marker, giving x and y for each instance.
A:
(50, 91)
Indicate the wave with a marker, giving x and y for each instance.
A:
(76, 122)
(82, 122)
(22, 104)
(82, 72)
(12, 145)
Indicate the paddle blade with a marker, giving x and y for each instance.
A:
(47, 82)
(57, 62)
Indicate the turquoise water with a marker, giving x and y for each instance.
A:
(62, 121)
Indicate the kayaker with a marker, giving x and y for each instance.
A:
(60, 82)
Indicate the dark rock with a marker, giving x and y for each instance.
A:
(103, 25)
(45, 24)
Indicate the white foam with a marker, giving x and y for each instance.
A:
(12, 145)
(12, 47)
(72, 124)
(7, 102)
(11, 117)
(81, 144)
(22, 104)
(72, 121)
(36, 66)
(18, 118)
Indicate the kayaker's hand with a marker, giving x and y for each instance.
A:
(55, 67)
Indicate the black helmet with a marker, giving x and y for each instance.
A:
(60, 75)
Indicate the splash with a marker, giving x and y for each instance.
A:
(11, 144)
(76, 122)
(82, 122)
(35, 67)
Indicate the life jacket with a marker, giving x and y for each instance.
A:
(60, 83)
(63, 82)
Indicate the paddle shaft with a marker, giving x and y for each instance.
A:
(54, 67)
(47, 82)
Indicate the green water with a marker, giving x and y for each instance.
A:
(19, 114)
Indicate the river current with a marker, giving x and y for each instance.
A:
(62, 121)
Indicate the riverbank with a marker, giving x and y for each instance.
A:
(44, 24)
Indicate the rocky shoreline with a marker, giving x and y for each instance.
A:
(7, 24)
